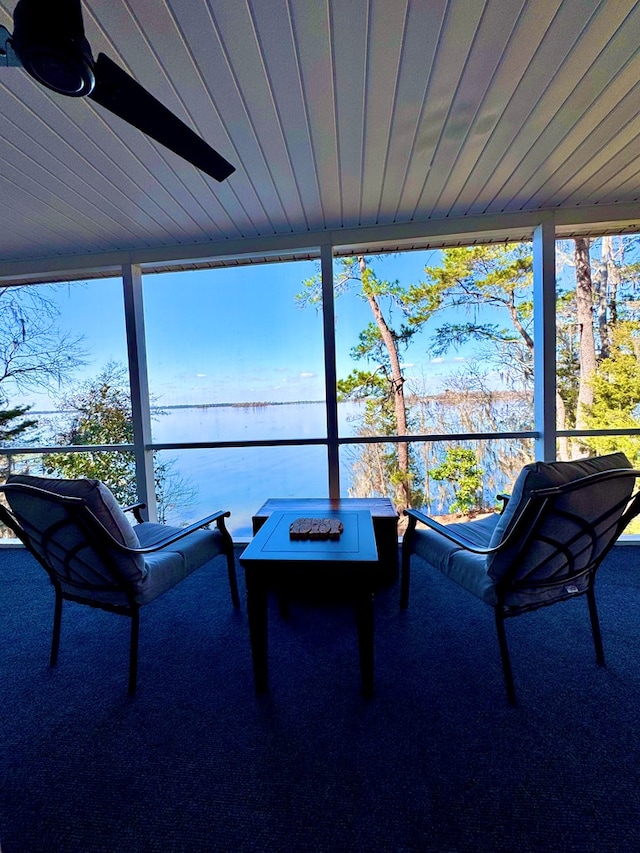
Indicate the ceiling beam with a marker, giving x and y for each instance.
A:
(615, 218)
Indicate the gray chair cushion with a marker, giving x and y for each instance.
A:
(175, 562)
(480, 574)
(87, 574)
(98, 499)
(467, 569)
(543, 475)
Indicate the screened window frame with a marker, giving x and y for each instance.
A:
(542, 230)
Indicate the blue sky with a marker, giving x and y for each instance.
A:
(238, 335)
(234, 335)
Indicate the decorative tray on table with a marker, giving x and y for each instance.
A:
(315, 528)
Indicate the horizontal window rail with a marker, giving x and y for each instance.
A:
(575, 433)
(299, 442)
(66, 448)
(277, 442)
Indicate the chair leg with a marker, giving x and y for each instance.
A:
(133, 651)
(405, 576)
(595, 626)
(506, 661)
(233, 580)
(231, 562)
(57, 621)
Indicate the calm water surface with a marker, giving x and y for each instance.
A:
(242, 479)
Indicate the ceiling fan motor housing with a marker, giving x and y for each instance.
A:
(50, 50)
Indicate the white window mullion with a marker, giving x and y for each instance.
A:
(330, 373)
(544, 336)
(139, 382)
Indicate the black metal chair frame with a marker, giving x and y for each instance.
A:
(77, 513)
(540, 505)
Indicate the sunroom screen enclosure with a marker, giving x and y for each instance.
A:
(222, 387)
(372, 141)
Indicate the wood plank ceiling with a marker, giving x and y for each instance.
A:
(336, 113)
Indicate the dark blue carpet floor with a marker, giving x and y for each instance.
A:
(437, 761)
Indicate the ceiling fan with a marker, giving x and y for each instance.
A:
(48, 41)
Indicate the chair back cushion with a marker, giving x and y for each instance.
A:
(66, 545)
(577, 526)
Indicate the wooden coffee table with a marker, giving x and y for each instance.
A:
(383, 514)
(347, 566)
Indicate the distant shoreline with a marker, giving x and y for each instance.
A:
(254, 405)
(448, 397)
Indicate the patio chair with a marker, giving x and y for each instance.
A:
(93, 555)
(544, 547)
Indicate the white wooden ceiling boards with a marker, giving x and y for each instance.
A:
(359, 118)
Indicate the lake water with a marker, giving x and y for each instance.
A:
(241, 479)
(251, 422)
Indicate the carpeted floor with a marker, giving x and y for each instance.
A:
(437, 761)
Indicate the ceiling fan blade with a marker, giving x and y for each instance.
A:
(121, 94)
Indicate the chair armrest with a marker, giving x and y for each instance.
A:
(415, 515)
(135, 509)
(505, 500)
(218, 517)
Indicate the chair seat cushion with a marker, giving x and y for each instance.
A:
(167, 567)
(465, 568)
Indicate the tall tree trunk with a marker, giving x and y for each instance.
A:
(606, 286)
(613, 279)
(397, 388)
(601, 289)
(587, 344)
(561, 423)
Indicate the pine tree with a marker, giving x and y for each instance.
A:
(13, 424)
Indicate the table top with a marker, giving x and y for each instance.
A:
(356, 543)
(378, 507)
